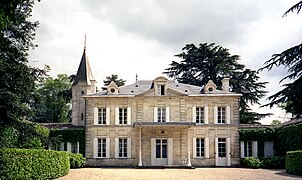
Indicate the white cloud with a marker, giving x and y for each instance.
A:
(129, 37)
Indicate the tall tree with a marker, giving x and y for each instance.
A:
(114, 78)
(289, 98)
(17, 78)
(52, 100)
(212, 62)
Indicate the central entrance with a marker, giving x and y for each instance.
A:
(161, 152)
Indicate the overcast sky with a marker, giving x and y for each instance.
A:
(141, 37)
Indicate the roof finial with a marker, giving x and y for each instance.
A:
(136, 78)
(85, 42)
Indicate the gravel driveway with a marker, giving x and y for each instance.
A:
(171, 174)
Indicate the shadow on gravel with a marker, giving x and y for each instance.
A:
(282, 172)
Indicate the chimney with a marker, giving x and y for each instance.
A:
(225, 84)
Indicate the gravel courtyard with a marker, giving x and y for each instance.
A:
(171, 174)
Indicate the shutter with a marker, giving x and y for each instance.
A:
(78, 147)
(228, 151)
(216, 151)
(215, 114)
(228, 115)
(116, 116)
(206, 117)
(255, 149)
(153, 151)
(155, 114)
(170, 151)
(194, 114)
(167, 114)
(207, 148)
(96, 115)
(116, 148)
(242, 149)
(107, 147)
(62, 146)
(129, 115)
(107, 115)
(95, 147)
(69, 146)
(129, 148)
(194, 147)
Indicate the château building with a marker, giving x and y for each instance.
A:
(157, 122)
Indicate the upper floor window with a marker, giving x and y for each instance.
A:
(161, 114)
(122, 115)
(160, 90)
(102, 116)
(221, 115)
(199, 115)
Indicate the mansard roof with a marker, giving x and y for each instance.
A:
(144, 87)
(84, 74)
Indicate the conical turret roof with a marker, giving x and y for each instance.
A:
(84, 74)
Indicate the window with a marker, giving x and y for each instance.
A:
(221, 116)
(161, 90)
(102, 116)
(199, 115)
(161, 148)
(82, 116)
(102, 148)
(248, 148)
(75, 147)
(122, 148)
(161, 114)
(122, 115)
(221, 147)
(199, 147)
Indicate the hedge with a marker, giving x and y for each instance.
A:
(33, 164)
(293, 164)
(288, 139)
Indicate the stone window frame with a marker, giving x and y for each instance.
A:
(221, 114)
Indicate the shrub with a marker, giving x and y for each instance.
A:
(293, 163)
(251, 162)
(275, 162)
(33, 164)
(76, 160)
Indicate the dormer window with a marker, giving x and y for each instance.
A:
(161, 90)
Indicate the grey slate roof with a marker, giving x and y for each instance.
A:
(144, 86)
(84, 74)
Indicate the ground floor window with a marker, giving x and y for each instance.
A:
(221, 147)
(249, 149)
(199, 147)
(102, 148)
(123, 148)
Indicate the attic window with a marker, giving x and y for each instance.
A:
(161, 90)
(186, 90)
(132, 91)
(136, 85)
(177, 85)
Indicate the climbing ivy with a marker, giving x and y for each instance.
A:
(70, 135)
(286, 138)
